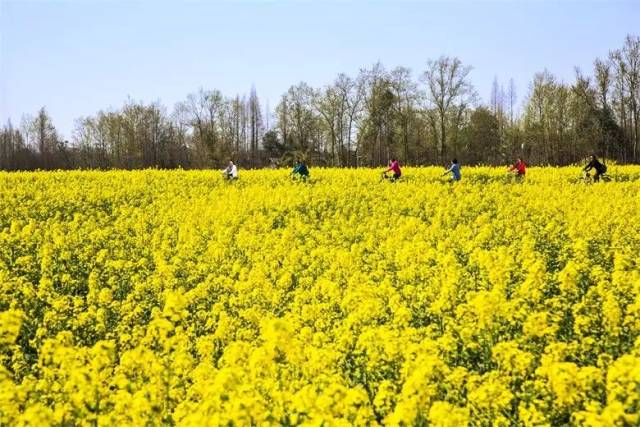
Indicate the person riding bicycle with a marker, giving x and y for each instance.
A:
(454, 170)
(231, 171)
(519, 168)
(300, 170)
(595, 164)
(395, 168)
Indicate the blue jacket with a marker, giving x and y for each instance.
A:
(455, 171)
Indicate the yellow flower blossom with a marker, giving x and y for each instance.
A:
(176, 298)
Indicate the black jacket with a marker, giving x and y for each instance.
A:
(595, 164)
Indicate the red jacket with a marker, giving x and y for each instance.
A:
(520, 167)
(395, 167)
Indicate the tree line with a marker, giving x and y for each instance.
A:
(360, 120)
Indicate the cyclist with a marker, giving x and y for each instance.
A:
(300, 170)
(595, 164)
(231, 171)
(519, 168)
(395, 168)
(454, 170)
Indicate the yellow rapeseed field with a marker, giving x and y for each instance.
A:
(175, 298)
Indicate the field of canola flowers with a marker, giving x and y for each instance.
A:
(174, 298)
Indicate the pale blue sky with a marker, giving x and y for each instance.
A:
(77, 57)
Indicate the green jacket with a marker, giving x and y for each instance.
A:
(300, 169)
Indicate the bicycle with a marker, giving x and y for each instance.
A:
(587, 178)
(514, 177)
(389, 178)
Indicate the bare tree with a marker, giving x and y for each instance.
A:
(299, 120)
(603, 80)
(41, 134)
(630, 55)
(449, 96)
(352, 92)
(256, 128)
(512, 96)
(328, 104)
(356, 120)
(406, 97)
